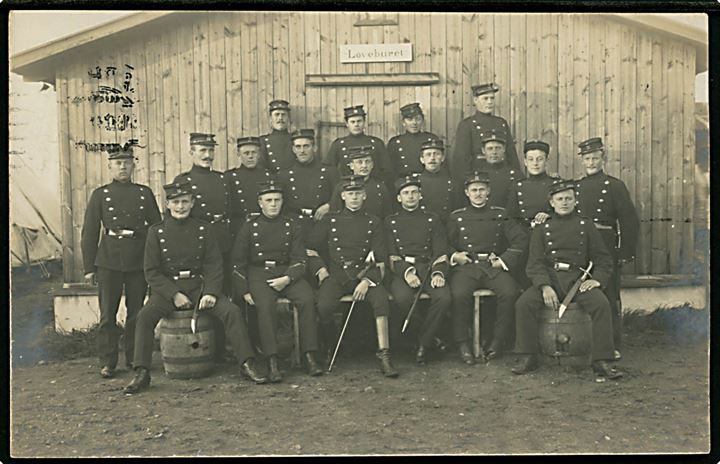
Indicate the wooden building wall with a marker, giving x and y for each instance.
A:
(563, 78)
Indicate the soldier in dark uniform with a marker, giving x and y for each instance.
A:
(244, 181)
(606, 200)
(352, 242)
(417, 247)
(210, 191)
(308, 183)
(122, 210)
(378, 201)
(183, 268)
(527, 199)
(337, 155)
(467, 137)
(276, 147)
(440, 194)
(502, 176)
(561, 246)
(404, 150)
(269, 262)
(485, 244)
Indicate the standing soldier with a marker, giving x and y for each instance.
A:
(467, 137)
(440, 195)
(606, 200)
(123, 211)
(308, 183)
(502, 176)
(276, 147)
(417, 249)
(338, 155)
(378, 201)
(212, 199)
(269, 262)
(560, 250)
(527, 200)
(404, 150)
(183, 268)
(352, 240)
(485, 245)
(244, 181)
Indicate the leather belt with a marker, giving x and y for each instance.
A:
(120, 233)
(272, 264)
(217, 218)
(479, 257)
(415, 259)
(307, 212)
(558, 266)
(603, 226)
(186, 274)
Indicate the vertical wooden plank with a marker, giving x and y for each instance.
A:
(535, 64)
(454, 72)
(343, 26)
(65, 172)
(688, 190)
(281, 57)
(329, 109)
(423, 62)
(313, 95)
(475, 47)
(387, 123)
(250, 72)
(359, 95)
(438, 105)
(676, 145)
(550, 82)
(154, 106)
(217, 27)
(484, 35)
(91, 132)
(501, 65)
(264, 69)
(659, 263)
(107, 111)
(644, 125)
(581, 92)
(172, 144)
(597, 77)
(563, 152)
(138, 113)
(77, 73)
(201, 75)
(296, 73)
(407, 93)
(375, 94)
(234, 83)
(612, 98)
(188, 108)
(518, 74)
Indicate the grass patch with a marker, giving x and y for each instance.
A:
(682, 323)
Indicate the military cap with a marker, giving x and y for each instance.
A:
(492, 136)
(433, 143)
(351, 111)
(590, 145)
(117, 151)
(410, 179)
(482, 89)
(353, 182)
(477, 176)
(270, 186)
(249, 140)
(278, 105)
(536, 145)
(303, 134)
(561, 186)
(411, 110)
(177, 189)
(198, 138)
(361, 151)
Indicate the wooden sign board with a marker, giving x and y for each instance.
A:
(369, 53)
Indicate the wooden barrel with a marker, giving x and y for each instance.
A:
(568, 340)
(187, 355)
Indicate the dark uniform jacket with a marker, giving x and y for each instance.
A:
(468, 145)
(344, 239)
(181, 248)
(337, 155)
(606, 200)
(529, 196)
(487, 229)
(276, 151)
(243, 185)
(275, 245)
(378, 202)
(404, 152)
(415, 239)
(307, 186)
(571, 239)
(440, 194)
(112, 208)
(212, 201)
(502, 178)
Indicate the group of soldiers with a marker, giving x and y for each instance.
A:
(383, 223)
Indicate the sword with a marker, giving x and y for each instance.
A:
(193, 321)
(417, 298)
(574, 289)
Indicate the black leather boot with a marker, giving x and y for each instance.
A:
(313, 368)
(465, 354)
(603, 369)
(249, 370)
(526, 363)
(386, 364)
(420, 357)
(328, 335)
(275, 375)
(140, 382)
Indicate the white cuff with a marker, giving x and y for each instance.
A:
(409, 270)
(370, 282)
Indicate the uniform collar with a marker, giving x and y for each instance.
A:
(479, 208)
(313, 162)
(281, 132)
(437, 173)
(117, 183)
(565, 217)
(347, 210)
(410, 211)
(600, 173)
(195, 169)
(496, 166)
(479, 114)
(544, 175)
(176, 221)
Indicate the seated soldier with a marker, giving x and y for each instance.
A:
(269, 262)
(352, 241)
(183, 265)
(417, 249)
(378, 202)
(559, 251)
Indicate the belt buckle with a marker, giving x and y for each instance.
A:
(482, 256)
(306, 211)
(270, 264)
(562, 267)
(184, 274)
(410, 259)
(127, 233)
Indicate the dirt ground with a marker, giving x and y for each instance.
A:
(62, 408)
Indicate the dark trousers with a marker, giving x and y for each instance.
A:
(593, 302)
(110, 289)
(425, 325)
(612, 289)
(468, 278)
(300, 294)
(158, 307)
(331, 290)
